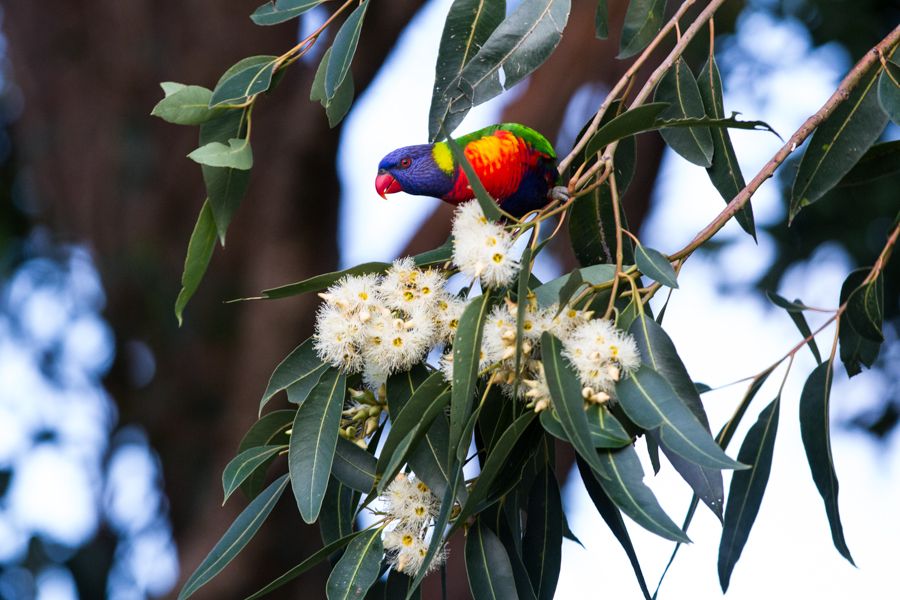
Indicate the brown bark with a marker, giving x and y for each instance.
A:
(110, 176)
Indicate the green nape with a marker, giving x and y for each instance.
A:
(535, 139)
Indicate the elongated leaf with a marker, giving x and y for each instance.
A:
(314, 559)
(838, 143)
(567, 291)
(279, 11)
(244, 464)
(248, 81)
(625, 486)
(409, 417)
(865, 310)
(428, 459)
(313, 440)
(655, 265)
(487, 565)
(321, 282)
(592, 227)
(637, 120)
(815, 430)
(519, 45)
(855, 349)
(565, 389)
(302, 364)
(239, 533)
(438, 256)
(889, 91)
(236, 155)
(649, 401)
(466, 355)
(225, 187)
(338, 107)
(658, 351)
(679, 88)
(468, 25)
(488, 204)
(725, 172)
(881, 160)
(548, 293)
(495, 464)
(188, 105)
(343, 49)
(338, 511)
(357, 569)
(643, 20)
(353, 466)
(613, 519)
(604, 429)
(542, 544)
(498, 519)
(199, 252)
(267, 431)
(747, 489)
(601, 20)
(795, 312)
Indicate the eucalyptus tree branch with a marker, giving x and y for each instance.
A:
(840, 94)
(625, 80)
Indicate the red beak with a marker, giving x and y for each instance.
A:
(386, 184)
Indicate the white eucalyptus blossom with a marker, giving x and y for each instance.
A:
(600, 353)
(338, 339)
(395, 342)
(448, 310)
(482, 249)
(411, 508)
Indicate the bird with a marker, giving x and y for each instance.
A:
(516, 164)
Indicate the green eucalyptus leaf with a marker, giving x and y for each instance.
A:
(279, 11)
(358, 567)
(235, 155)
(601, 20)
(565, 389)
(865, 309)
(314, 559)
(855, 350)
(605, 430)
(428, 459)
(343, 49)
(881, 160)
(338, 511)
(889, 91)
(338, 107)
(518, 45)
(636, 120)
(548, 293)
(438, 256)
(592, 227)
(238, 86)
(747, 488)
(321, 282)
(267, 431)
(567, 291)
(625, 487)
(542, 543)
(724, 172)
(795, 312)
(244, 464)
(239, 533)
(679, 88)
(468, 26)
(225, 187)
(838, 143)
(170, 87)
(643, 20)
(313, 440)
(353, 466)
(399, 585)
(487, 565)
(655, 265)
(815, 430)
(188, 105)
(649, 401)
(302, 364)
(466, 356)
(658, 351)
(199, 252)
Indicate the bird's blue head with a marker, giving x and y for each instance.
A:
(419, 170)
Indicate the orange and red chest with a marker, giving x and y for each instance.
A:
(500, 160)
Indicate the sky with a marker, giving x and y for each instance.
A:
(721, 337)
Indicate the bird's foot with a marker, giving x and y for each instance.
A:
(560, 193)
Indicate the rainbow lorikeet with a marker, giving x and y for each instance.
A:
(516, 164)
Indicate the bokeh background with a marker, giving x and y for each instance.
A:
(115, 424)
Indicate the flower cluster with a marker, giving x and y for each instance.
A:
(482, 249)
(411, 507)
(594, 347)
(385, 324)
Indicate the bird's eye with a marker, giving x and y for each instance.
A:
(405, 162)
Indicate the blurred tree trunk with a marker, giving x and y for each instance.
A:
(106, 174)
